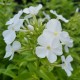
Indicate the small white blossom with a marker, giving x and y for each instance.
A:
(59, 16)
(32, 10)
(10, 49)
(66, 65)
(48, 48)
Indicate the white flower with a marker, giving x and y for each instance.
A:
(66, 40)
(59, 16)
(11, 49)
(66, 65)
(49, 48)
(53, 28)
(15, 18)
(30, 27)
(14, 25)
(32, 10)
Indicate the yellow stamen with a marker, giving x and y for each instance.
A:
(55, 33)
(48, 47)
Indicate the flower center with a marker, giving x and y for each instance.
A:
(48, 47)
(55, 33)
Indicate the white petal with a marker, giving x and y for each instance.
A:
(8, 51)
(39, 7)
(58, 50)
(64, 36)
(69, 58)
(51, 57)
(54, 25)
(19, 25)
(45, 40)
(41, 52)
(16, 27)
(63, 58)
(65, 39)
(11, 56)
(26, 10)
(70, 43)
(56, 47)
(33, 10)
(68, 72)
(9, 36)
(70, 67)
(16, 45)
(66, 49)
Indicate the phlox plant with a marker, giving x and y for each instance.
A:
(43, 37)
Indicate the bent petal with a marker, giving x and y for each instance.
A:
(16, 45)
(51, 57)
(41, 52)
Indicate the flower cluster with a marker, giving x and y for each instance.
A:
(52, 39)
(50, 42)
(14, 25)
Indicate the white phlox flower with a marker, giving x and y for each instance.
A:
(66, 65)
(14, 25)
(50, 48)
(66, 41)
(10, 49)
(59, 16)
(53, 28)
(32, 10)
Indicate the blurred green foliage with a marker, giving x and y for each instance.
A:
(26, 66)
